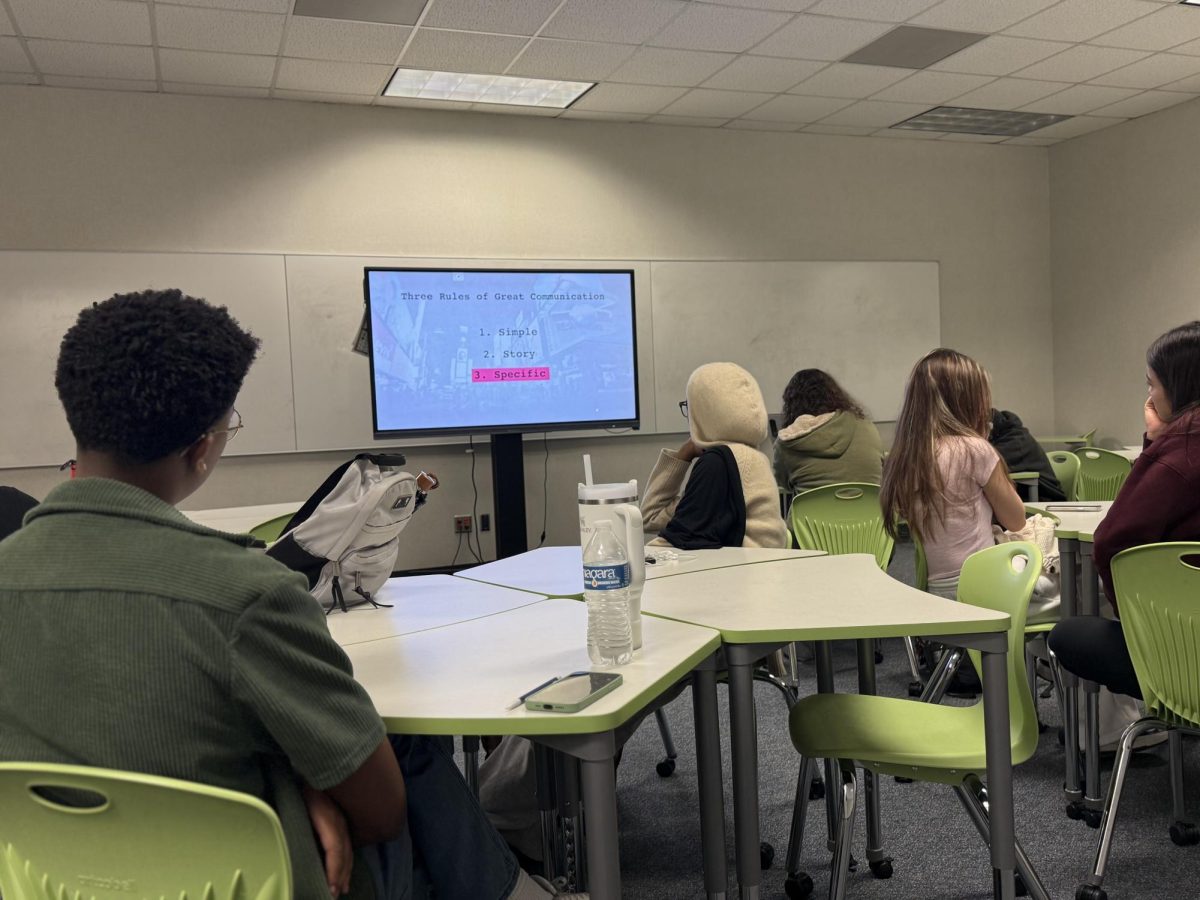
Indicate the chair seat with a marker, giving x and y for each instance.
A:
(893, 736)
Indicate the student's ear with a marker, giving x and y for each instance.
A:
(197, 455)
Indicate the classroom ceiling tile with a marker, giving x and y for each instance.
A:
(595, 116)
(18, 78)
(705, 27)
(999, 55)
(191, 28)
(763, 73)
(913, 48)
(200, 67)
(1032, 141)
(1191, 48)
(932, 87)
(1081, 63)
(875, 10)
(1079, 99)
(877, 113)
(973, 138)
(756, 125)
(392, 12)
(818, 37)
(618, 21)
(850, 130)
(641, 98)
(1075, 127)
(980, 15)
(93, 60)
(1162, 29)
(1153, 71)
(1190, 85)
(332, 77)
(689, 121)
(215, 90)
(12, 56)
(1144, 104)
(850, 80)
(510, 17)
(778, 5)
(907, 134)
(100, 84)
(1080, 20)
(270, 6)
(1009, 93)
(317, 97)
(344, 41)
(704, 102)
(506, 109)
(461, 51)
(570, 60)
(658, 65)
(6, 25)
(795, 108)
(412, 103)
(94, 21)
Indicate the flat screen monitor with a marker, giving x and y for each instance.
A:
(469, 351)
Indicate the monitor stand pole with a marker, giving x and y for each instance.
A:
(508, 494)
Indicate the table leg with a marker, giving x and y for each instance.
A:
(1068, 549)
(1090, 606)
(603, 850)
(823, 655)
(1033, 492)
(543, 766)
(470, 748)
(876, 858)
(708, 771)
(999, 773)
(744, 744)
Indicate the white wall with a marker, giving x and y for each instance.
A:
(84, 170)
(1126, 250)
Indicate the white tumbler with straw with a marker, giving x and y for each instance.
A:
(617, 502)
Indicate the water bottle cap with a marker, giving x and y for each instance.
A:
(620, 492)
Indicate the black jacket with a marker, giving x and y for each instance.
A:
(712, 511)
(1021, 453)
(13, 506)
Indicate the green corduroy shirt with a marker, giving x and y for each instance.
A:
(132, 638)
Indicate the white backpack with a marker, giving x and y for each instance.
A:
(346, 538)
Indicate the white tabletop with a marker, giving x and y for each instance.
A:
(557, 571)
(240, 519)
(420, 603)
(1081, 525)
(460, 679)
(823, 598)
(1130, 451)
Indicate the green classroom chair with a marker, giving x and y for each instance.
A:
(1158, 592)
(100, 834)
(922, 741)
(1101, 474)
(1066, 469)
(270, 530)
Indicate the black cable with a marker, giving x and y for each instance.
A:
(545, 483)
(475, 551)
(457, 550)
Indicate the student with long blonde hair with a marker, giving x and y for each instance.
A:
(942, 476)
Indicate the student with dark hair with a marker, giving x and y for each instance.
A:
(828, 438)
(135, 639)
(1160, 501)
(1022, 453)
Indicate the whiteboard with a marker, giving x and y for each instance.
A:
(865, 323)
(43, 293)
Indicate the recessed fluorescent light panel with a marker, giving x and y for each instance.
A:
(961, 120)
(1190, 2)
(420, 84)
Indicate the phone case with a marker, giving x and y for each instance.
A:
(535, 705)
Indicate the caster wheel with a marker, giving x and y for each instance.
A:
(1075, 810)
(665, 768)
(915, 689)
(816, 790)
(882, 868)
(900, 779)
(1090, 892)
(1019, 887)
(1091, 817)
(798, 886)
(853, 866)
(1185, 834)
(1042, 727)
(766, 855)
(878, 657)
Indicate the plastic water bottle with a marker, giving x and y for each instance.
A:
(606, 589)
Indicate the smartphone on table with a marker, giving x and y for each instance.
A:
(573, 692)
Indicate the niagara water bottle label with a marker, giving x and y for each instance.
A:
(606, 577)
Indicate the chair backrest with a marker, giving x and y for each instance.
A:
(271, 529)
(1158, 593)
(991, 579)
(1066, 468)
(841, 518)
(73, 831)
(1101, 474)
(921, 563)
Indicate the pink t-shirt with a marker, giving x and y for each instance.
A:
(966, 464)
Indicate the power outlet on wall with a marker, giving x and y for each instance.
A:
(462, 524)
(485, 522)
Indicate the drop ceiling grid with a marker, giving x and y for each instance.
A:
(740, 64)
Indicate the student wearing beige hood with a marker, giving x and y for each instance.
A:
(730, 499)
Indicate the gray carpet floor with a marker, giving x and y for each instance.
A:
(937, 853)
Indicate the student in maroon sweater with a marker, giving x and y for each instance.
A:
(1160, 501)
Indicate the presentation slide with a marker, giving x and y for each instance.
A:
(501, 350)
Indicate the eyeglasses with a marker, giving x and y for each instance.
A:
(683, 408)
(235, 425)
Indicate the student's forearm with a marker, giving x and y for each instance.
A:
(662, 491)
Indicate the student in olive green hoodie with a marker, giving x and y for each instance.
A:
(828, 438)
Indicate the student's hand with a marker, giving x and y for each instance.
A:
(427, 481)
(1154, 425)
(688, 451)
(333, 836)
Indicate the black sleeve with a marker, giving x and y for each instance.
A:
(712, 511)
(13, 506)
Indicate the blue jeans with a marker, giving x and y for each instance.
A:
(451, 850)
